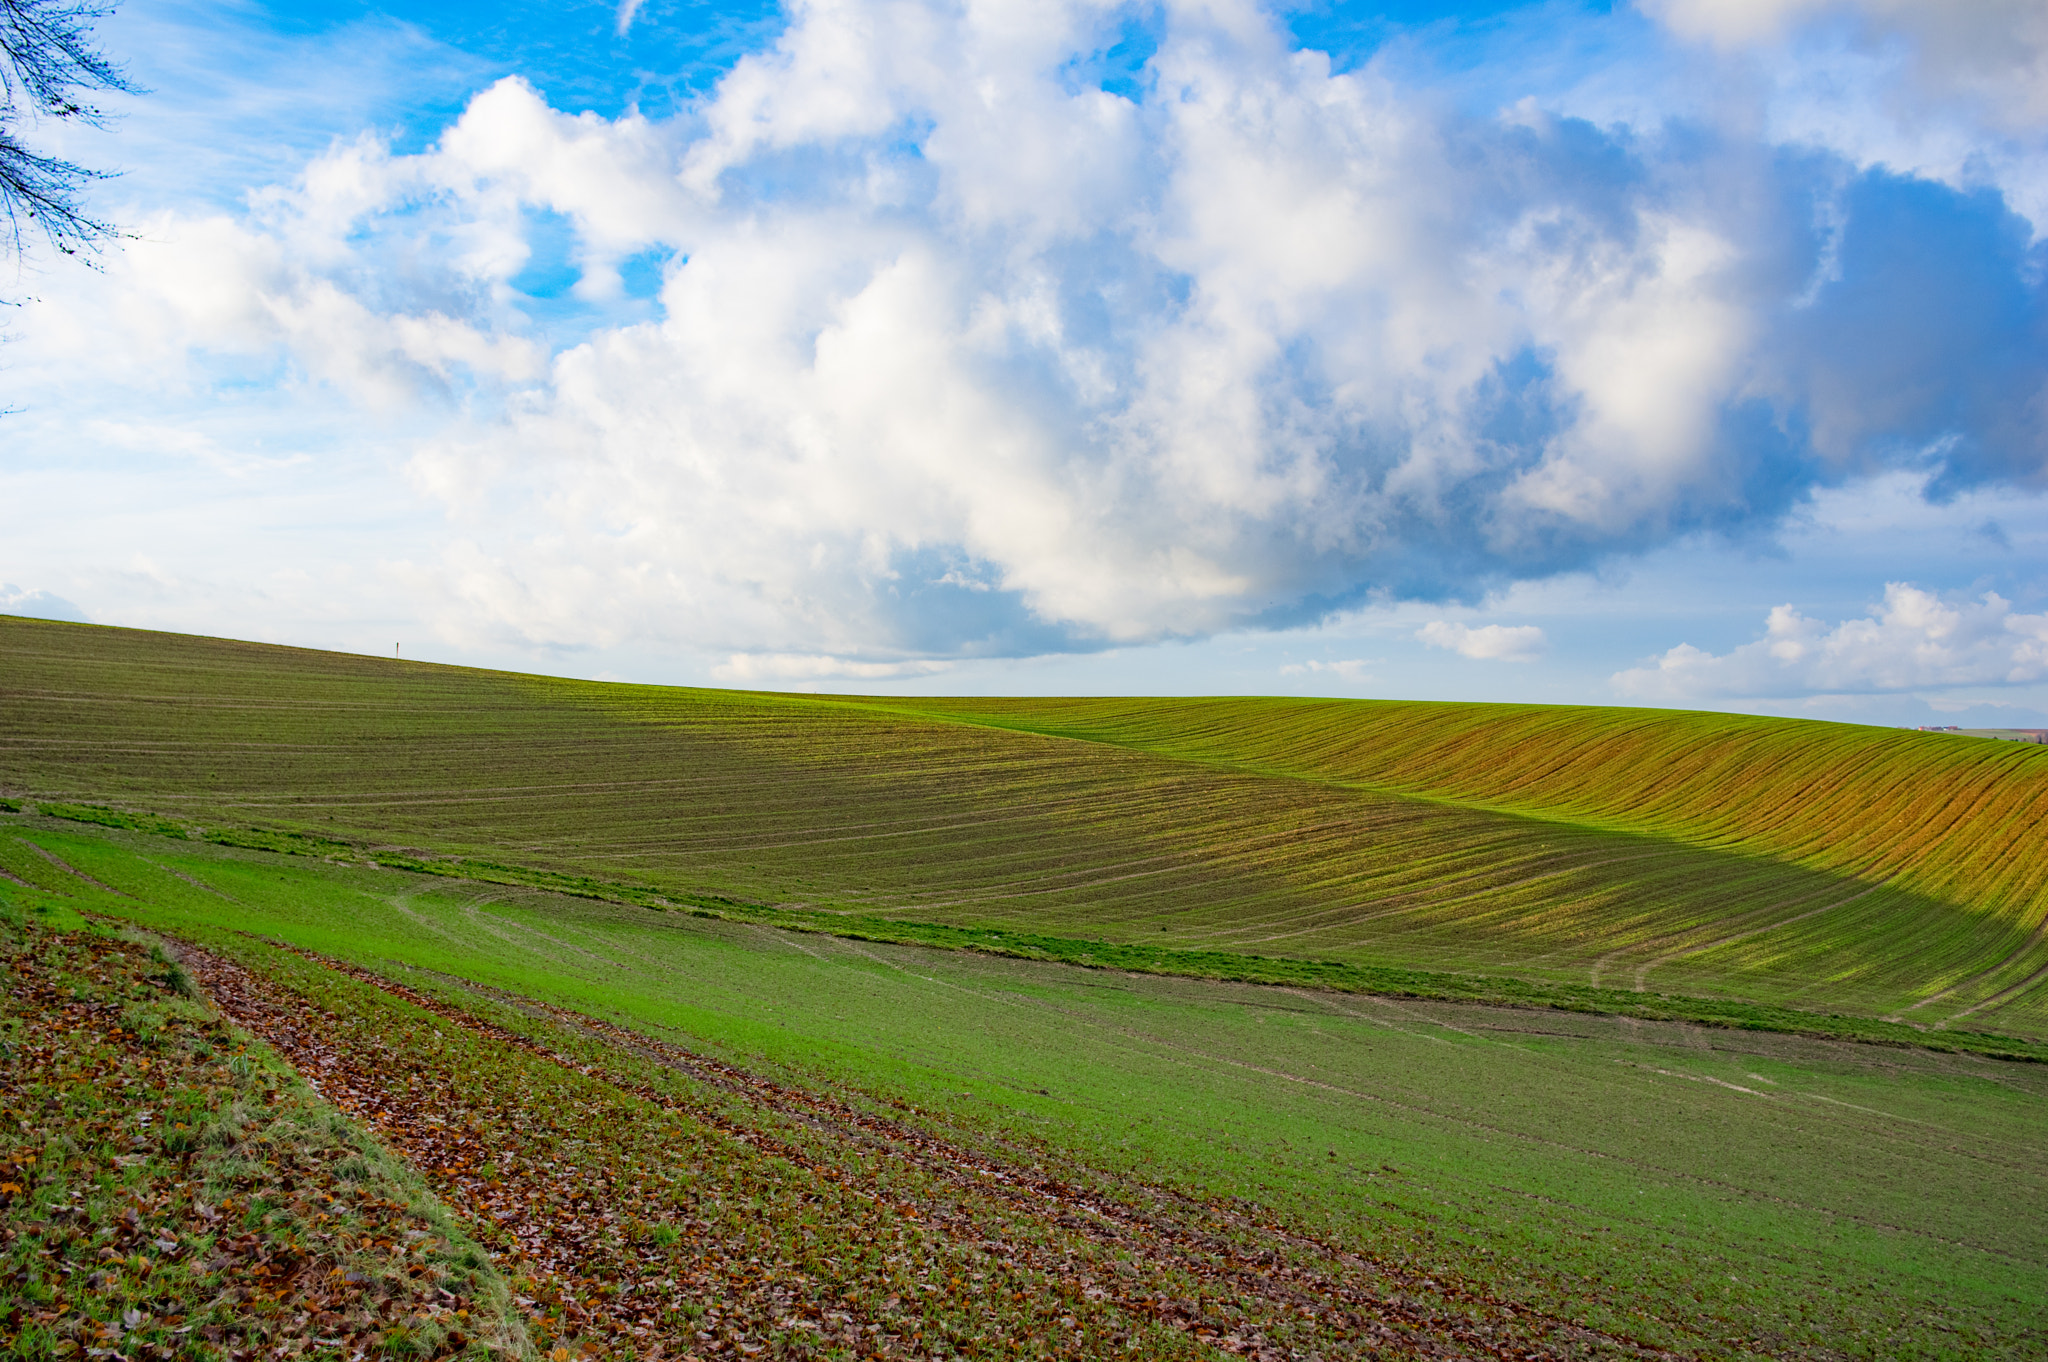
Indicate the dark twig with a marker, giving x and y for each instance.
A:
(47, 65)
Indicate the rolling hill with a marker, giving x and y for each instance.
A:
(1819, 866)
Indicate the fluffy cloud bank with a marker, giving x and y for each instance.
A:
(972, 332)
(1490, 643)
(1916, 641)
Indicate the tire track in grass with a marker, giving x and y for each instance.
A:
(54, 859)
(200, 885)
(1402, 1278)
(1104, 1216)
(1227, 1278)
(590, 1282)
(1692, 929)
(1193, 1056)
(1113, 1219)
(502, 1152)
(2003, 997)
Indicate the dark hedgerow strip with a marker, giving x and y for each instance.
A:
(643, 1197)
(167, 1189)
(1225, 966)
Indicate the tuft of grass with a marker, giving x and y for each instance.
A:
(178, 980)
(290, 843)
(113, 818)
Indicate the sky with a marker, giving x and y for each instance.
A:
(1684, 353)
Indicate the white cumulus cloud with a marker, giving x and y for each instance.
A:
(782, 667)
(941, 347)
(1144, 369)
(1491, 642)
(1916, 640)
(1350, 669)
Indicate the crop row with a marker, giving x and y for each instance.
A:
(1955, 818)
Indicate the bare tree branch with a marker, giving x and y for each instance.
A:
(47, 65)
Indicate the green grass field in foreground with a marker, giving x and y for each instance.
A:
(1812, 866)
(1720, 1193)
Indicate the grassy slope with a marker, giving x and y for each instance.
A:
(1555, 844)
(1947, 816)
(1710, 1191)
(169, 1189)
(1951, 821)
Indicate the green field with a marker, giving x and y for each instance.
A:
(1661, 1186)
(1817, 866)
(644, 986)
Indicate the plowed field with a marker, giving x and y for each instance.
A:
(1819, 866)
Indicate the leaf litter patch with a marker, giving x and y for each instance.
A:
(169, 1190)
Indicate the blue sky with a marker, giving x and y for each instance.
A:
(1671, 352)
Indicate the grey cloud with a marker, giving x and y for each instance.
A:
(40, 605)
